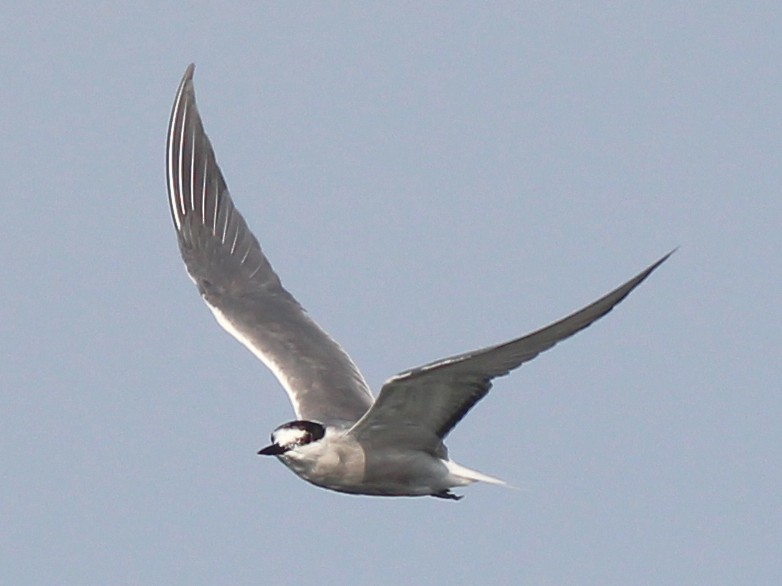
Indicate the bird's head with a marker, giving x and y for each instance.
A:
(292, 435)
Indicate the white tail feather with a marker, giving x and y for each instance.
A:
(470, 476)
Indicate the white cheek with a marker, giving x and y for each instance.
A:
(289, 436)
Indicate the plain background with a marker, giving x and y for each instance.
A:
(427, 178)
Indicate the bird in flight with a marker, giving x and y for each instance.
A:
(342, 439)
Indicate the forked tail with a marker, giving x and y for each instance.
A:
(470, 476)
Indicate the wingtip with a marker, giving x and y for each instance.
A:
(661, 261)
(187, 79)
(185, 91)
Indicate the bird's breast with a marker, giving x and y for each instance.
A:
(335, 463)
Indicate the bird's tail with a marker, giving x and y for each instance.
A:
(470, 476)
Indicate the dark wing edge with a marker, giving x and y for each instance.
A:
(438, 395)
(238, 284)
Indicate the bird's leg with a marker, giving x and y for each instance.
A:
(447, 494)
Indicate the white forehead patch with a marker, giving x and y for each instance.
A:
(289, 436)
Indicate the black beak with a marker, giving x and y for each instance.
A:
(272, 450)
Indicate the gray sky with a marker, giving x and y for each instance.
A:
(426, 180)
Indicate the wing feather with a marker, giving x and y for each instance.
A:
(430, 400)
(237, 282)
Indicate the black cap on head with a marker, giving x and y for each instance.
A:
(293, 434)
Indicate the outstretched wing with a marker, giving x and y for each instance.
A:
(427, 402)
(239, 285)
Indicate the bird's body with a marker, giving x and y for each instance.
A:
(343, 439)
(342, 463)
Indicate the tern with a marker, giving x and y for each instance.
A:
(342, 438)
